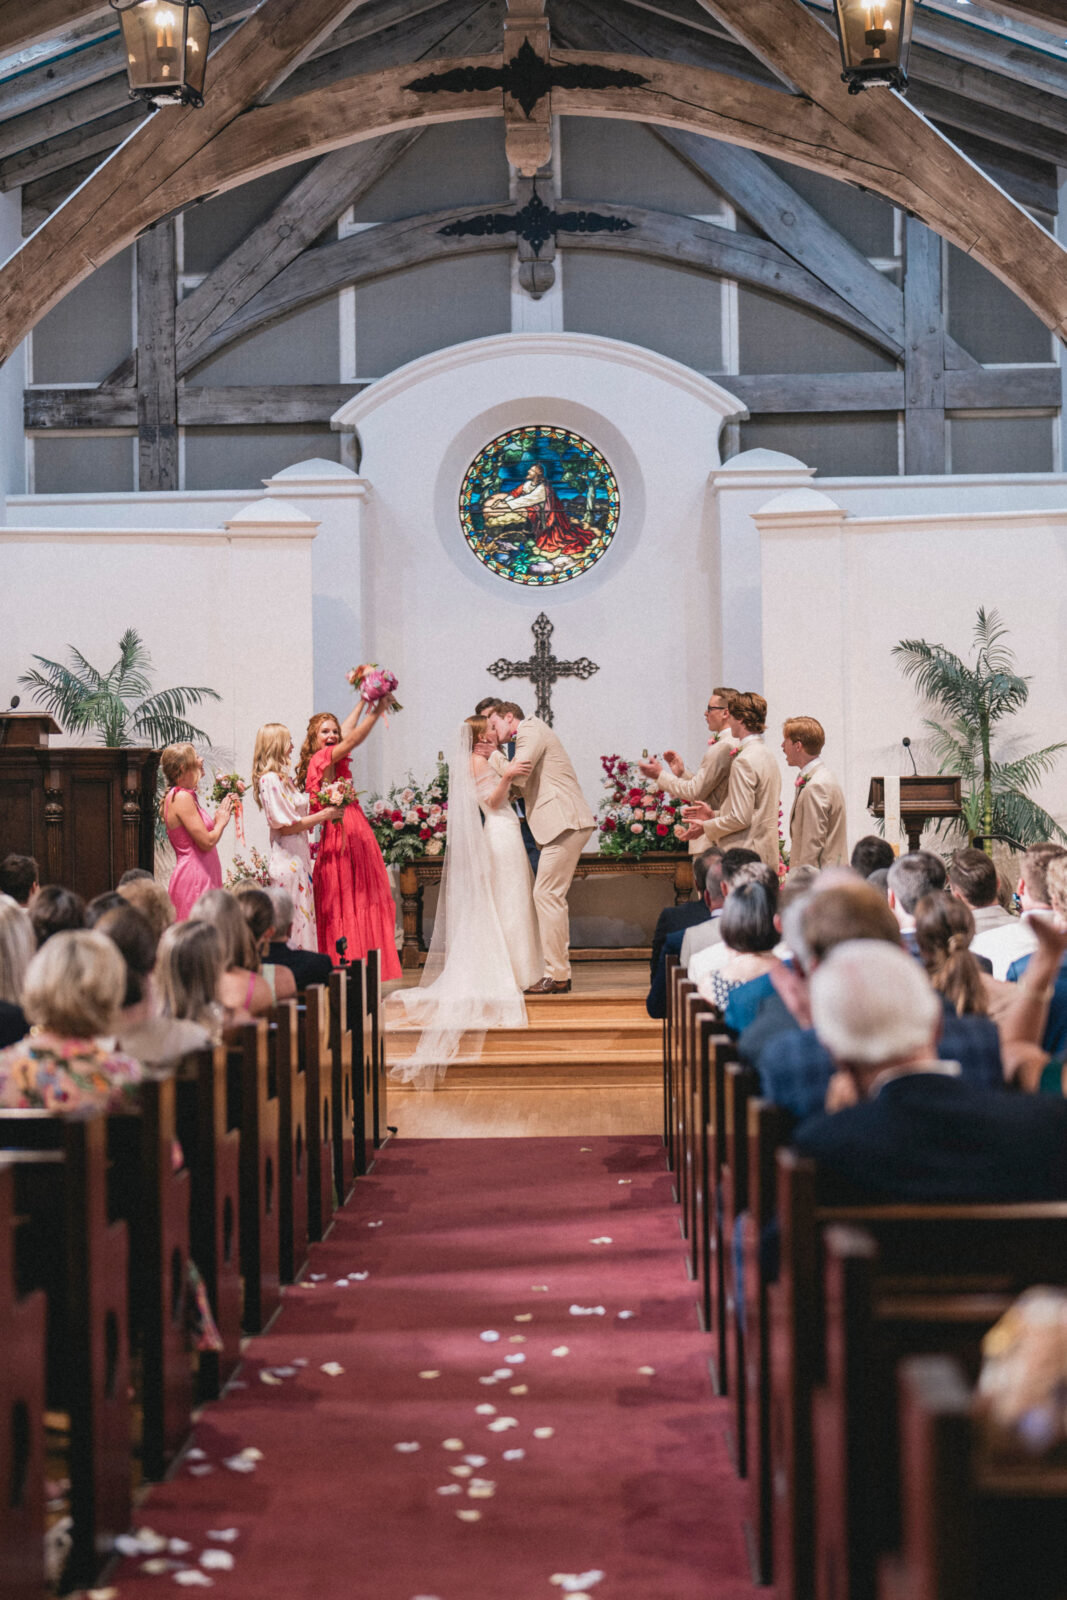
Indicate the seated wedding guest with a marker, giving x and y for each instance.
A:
(151, 900)
(748, 816)
(20, 879)
(972, 878)
(795, 1069)
(17, 947)
(919, 1130)
(1015, 938)
(676, 919)
(307, 966)
(702, 963)
(56, 910)
(879, 879)
(910, 877)
(749, 935)
(258, 911)
(944, 928)
(721, 874)
(1054, 1038)
(134, 875)
(157, 1041)
(817, 836)
(712, 777)
(243, 992)
(189, 969)
(72, 995)
(193, 834)
(746, 1001)
(110, 900)
(871, 854)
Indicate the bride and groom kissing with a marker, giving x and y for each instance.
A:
(498, 933)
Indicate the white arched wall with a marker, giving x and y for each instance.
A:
(647, 613)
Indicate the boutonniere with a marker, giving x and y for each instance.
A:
(735, 752)
(803, 780)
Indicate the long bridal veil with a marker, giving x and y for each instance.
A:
(467, 984)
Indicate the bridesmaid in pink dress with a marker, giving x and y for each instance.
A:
(353, 899)
(191, 831)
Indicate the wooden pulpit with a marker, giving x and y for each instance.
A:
(85, 813)
(923, 798)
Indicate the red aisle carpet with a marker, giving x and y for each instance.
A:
(520, 1397)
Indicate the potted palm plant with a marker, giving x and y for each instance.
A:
(976, 698)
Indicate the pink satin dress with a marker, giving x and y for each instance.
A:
(196, 871)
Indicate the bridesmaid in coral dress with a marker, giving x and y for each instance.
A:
(192, 832)
(352, 895)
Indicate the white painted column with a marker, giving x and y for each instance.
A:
(738, 489)
(13, 372)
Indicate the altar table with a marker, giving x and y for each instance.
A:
(427, 870)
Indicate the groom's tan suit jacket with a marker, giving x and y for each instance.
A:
(554, 801)
(709, 782)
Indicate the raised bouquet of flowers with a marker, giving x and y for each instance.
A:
(341, 792)
(231, 783)
(375, 684)
(635, 815)
(412, 820)
(253, 868)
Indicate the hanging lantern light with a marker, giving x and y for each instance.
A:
(875, 37)
(166, 43)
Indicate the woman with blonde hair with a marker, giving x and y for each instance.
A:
(189, 968)
(192, 832)
(17, 946)
(944, 928)
(73, 994)
(353, 900)
(242, 991)
(291, 820)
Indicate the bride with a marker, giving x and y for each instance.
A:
(485, 948)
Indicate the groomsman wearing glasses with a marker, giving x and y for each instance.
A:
(817, 835)
(748, 817)
(712, 778)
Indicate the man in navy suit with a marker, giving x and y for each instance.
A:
(917, 1129)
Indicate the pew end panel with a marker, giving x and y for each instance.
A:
(361, 1028)
(373, 978)
(257, 1114)
(285, 1039)
(342, 1130)
(319, 1112)
(22, 1406)
(212, 1147)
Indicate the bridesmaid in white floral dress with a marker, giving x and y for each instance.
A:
(286, 810)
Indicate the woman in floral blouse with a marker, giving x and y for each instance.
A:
(72, 995)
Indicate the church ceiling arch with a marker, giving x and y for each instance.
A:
(880, 142)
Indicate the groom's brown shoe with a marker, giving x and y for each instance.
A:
(551, 986)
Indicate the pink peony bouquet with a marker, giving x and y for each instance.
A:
(375, 684)
(231, 783)
(338, 793)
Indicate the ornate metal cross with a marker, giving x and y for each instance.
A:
(543, 668)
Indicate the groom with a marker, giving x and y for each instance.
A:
(560, 821)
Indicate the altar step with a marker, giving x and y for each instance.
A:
(581, 1040)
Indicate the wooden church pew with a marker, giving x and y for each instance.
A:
(364, 1067)
(284, 1040)
(673, 966)
(67, 1247)
(373, 981)
(741, 1084)
(343, 1096)
(683, 988)
(929, 1252)
(714, 1049)
(255, 1109)
(873, 1318)
(768, 1127)
(697, 1016)
(22, 1405)
(972, 1529)
(211, 1144)
(319, 1092)
(688, 1002)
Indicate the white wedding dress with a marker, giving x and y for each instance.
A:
(485, 948)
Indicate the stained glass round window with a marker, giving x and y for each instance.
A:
(539, 505)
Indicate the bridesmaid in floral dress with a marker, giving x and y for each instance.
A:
(291, 821)
(191, 831)
(353, 900)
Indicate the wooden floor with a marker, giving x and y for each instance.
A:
(552, 1097)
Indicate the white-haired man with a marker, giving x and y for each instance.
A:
(919, 1131)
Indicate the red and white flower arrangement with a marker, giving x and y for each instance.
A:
(375, 685)
(340, 792)
(411, 821)
(231, 783)
(636, 816)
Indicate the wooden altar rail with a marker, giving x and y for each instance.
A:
(417, 874)
(96, 1227)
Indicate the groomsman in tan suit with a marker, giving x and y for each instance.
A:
(748, 818)
(817, 821)
(711, 779)
(561, 822)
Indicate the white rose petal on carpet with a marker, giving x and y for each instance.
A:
(502, 1424)
(519, 1388)
(469, 1516)
(502, 1372)
(461, 1472)
(524, 1316)
(450, 1488)
(514, 1455)
(562, 1350)
(192, 1578)
(543, 1433)
(223, 1535)
(217, 1560)
(430, 1373)
(270, 1379)
(485, 1411)
(476, 1461)
(332, 1369)
(407, 1447)
(490, 1336)
(452, 1444)
(603, 1238)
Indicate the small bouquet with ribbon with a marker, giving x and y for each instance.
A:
(340, 792)
(231, 783)
(375, 685)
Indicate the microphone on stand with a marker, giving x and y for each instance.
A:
(906, 742)
(15, 701)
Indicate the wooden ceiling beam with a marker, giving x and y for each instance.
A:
(1048, 14)
(24, 22)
